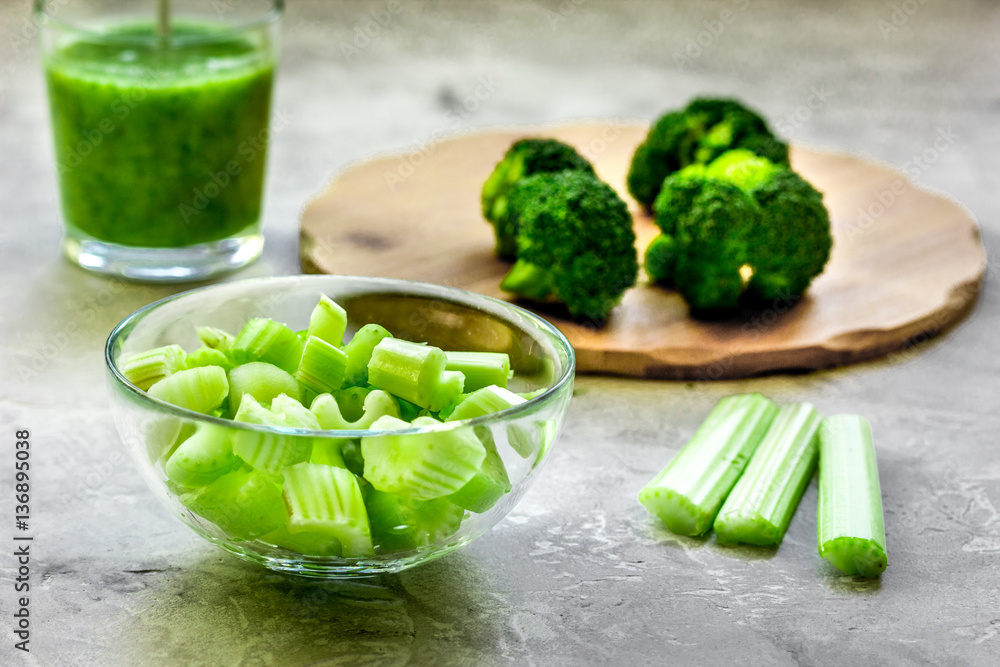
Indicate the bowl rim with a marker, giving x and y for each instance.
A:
(417, 288)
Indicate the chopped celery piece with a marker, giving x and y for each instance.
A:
(262, 381)
(328, 322)
(353, 459)
(322, 366)
(244, 503)
(689, 491)
(202, 458)
(359, 353)
(328, 452)
(199, 389)
(535, 438)
(760, 506)
(481, 369)
(326, 499)
(206, 356)
(268, 451)
(147, 368)
(377, 404)
(266, 340)
(483, 402)
(214, 338)
(415, 373)
(421, 465)
(488, 485)
(352, 401)
(399, 523)
(408, 411)
(850, 524)
(293, 414)
(305, 542)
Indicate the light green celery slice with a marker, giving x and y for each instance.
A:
(422, 465)
(359, 353)
(532, 439)
(322, 365)
(415, 373)
(206, 356)
(309, 543)
(244, 503)
(481, 369)
(687, 494)
(488, 485)
(352, 401)
(327, 499)
(269, 452)
(147, 368)
(400, 524)
(328, 322)
(850, 523)
(266, 340)
(202, 458)
(483, 402)
(214, 338)
(199, 389)
(262, 381)
(760, 506)
(292, 413)
(328, 452)
(377, 404)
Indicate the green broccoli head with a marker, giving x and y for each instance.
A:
(705, 129)
(523, 158)
(793, 244)
(711, 239)
(575, 243)
(661, 259)
(741, 226)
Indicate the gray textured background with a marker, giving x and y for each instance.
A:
(578, 574)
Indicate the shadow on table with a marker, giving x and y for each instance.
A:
(655, 531)
(225, 611)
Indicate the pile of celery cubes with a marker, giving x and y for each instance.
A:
(746, 468)
(330, 496)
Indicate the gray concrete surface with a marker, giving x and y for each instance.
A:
(578, 574)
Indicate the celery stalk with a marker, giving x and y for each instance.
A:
(850, 524)
(481, 369)
(322, 365)
(760, 506)
(327, 500)
(147, 368)
(688, 493)
(328, 322)
(415, 373)
(483, 402)
(359, 353)
(200, 389)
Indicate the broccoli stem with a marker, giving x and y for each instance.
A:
(528, 280)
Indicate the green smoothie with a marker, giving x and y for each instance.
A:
(161, 145)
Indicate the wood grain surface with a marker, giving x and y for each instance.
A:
(906, 262)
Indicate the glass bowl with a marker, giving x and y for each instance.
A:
(541, 358)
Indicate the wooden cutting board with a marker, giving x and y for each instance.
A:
(906, 263)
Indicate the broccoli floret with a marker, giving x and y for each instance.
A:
(523, 158)
(660, 260)
(575, 243)
(741, 227)
(705, 129)
(712, 240)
